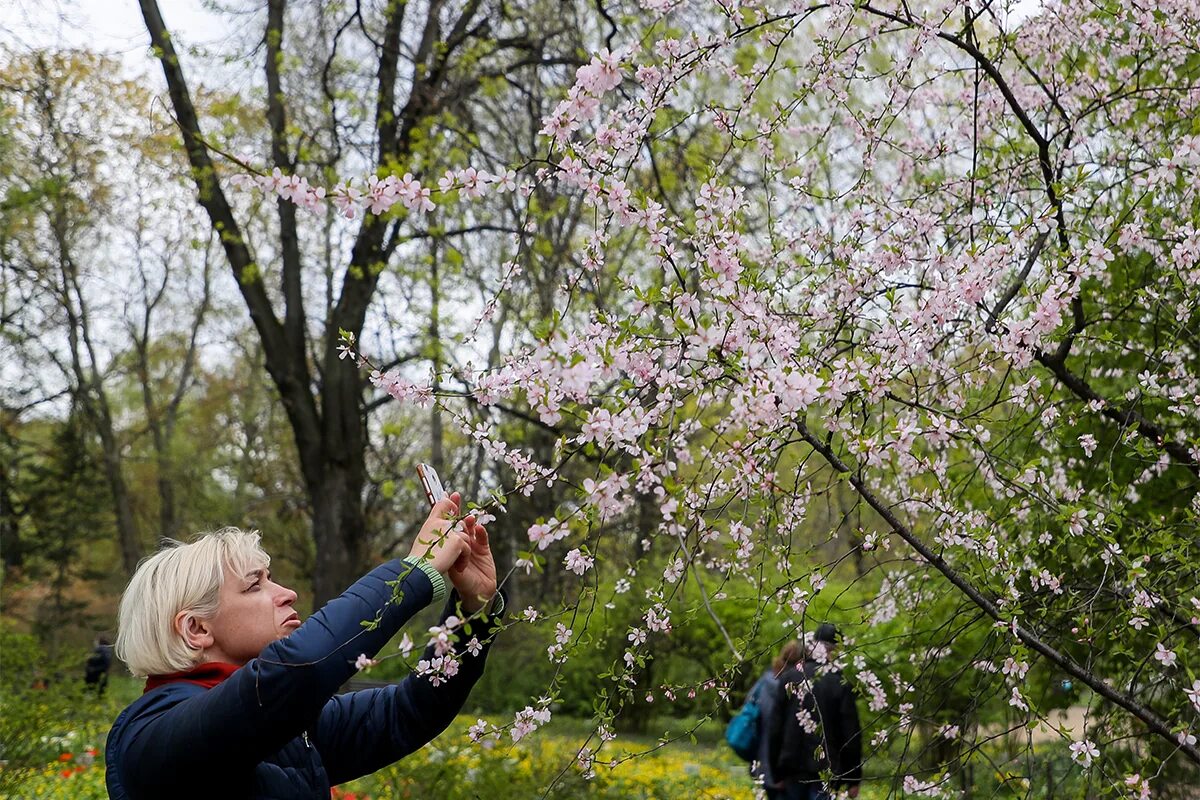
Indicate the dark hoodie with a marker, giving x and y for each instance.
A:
(832, 739)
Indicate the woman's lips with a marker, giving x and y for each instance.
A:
(293, 620)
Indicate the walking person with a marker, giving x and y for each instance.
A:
(240, 698)
(95, 671)
(766, 692)
(813, 729)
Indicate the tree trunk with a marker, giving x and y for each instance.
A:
(334, 468)
(168, 521)
(93, 398)
(131, 550)
(11, 550)
(164, 481)
(338, 529)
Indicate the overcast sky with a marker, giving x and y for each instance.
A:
(114, 27)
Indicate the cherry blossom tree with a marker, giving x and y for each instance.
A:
(941, 258)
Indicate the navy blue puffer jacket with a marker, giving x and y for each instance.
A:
(275, 728)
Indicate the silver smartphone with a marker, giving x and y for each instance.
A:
(430, 483)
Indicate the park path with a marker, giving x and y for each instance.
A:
(1072, 719)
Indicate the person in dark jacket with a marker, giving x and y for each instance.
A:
(766, 691)
(95, 671)
(241, 700)
(814, 729)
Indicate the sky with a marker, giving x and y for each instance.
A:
(113, 27)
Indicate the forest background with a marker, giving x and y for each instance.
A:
(737, 316)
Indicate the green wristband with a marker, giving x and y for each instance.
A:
(435, 577)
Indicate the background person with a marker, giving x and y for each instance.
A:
(814, 727)
(240, 697)
(95, 671)
(766, 691)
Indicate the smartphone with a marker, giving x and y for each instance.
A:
(430, 483)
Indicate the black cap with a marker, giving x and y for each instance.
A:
(827, 632)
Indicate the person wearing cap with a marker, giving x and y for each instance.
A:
(241, 697)
(813, 728)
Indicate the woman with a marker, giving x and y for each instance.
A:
(766, 691)
(240, 698)
(813, 729)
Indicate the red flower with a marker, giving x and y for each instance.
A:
(66, 757)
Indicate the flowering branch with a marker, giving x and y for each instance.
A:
(1152, 721)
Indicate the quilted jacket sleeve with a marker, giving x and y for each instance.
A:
(361, 732)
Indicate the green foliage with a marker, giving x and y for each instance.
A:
(50, 724)
(58, 538)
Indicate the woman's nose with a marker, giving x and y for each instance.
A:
(286, 596)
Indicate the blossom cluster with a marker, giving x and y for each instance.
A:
(377, 195)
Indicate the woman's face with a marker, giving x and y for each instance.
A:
(252, 612)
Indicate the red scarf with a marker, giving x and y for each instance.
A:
(207, 675)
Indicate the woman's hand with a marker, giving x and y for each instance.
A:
(439, 542)
(474, 574)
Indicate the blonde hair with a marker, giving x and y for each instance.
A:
(179, 577)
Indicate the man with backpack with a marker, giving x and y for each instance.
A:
(812, 728)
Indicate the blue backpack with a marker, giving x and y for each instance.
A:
(742, 733)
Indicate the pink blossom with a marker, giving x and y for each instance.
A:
(477, 731)
(1193, 694)
(601, 75)
(1165, 656)
(578, 562)
(545, 534)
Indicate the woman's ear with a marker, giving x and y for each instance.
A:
(196, 631)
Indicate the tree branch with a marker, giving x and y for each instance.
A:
(1124, 417)
(289, 378)
(1038, 244)
(1152, 721)
(291, 279)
